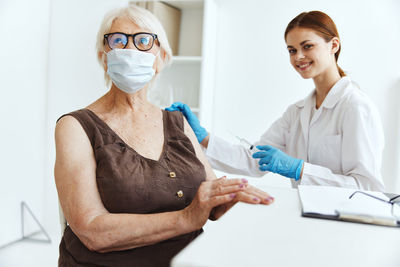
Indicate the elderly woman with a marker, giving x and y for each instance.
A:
(132, 180)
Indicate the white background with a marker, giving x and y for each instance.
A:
(49, 67)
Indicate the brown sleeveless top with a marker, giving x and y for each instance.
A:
(130, 183)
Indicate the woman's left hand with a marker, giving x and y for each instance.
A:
(249, 195)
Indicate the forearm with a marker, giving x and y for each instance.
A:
(232, 158)
(112, 232)
(357, 179)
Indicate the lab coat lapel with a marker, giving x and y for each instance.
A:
(305, 116)
(332, 98)
(341, 88)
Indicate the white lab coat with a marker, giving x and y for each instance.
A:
(341, 144)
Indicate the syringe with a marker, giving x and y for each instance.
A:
(251, 146)
(245, 141)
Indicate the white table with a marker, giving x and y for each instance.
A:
(277, 235)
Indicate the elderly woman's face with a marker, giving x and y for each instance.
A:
(125, 25)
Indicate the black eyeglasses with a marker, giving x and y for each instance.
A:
(391, 201)
(143, 41)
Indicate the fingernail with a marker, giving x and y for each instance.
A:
(241, 185)
(269, 199)
(256, 199)
(244, 180)
(232, 195)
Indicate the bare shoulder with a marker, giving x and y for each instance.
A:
(72, 143)
(69, 129)
(66, 124)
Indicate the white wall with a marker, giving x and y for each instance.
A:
(256, 83)
(24, 27)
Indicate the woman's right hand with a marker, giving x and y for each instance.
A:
(193, 121)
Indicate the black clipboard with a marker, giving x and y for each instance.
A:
(346, 216)
(354, 218)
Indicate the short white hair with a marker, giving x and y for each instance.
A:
(143, 19)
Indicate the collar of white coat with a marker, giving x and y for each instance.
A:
(341, 88)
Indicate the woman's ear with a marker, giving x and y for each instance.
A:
(335, 44)
(101, 55)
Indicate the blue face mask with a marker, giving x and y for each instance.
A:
(130, 70)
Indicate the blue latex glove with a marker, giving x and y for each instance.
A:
(274, 160)
(193, 121)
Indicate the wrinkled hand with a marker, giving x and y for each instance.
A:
(274, 160)
(210, 194)
(193, 121)
(250, 194)
(221, 194)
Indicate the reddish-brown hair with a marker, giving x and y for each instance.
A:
(322, 24)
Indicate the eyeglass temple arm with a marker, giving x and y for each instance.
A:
(370, 196)
(393, 198)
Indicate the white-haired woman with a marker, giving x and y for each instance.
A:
(132, 180)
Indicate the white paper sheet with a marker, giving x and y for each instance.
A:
(327, 200)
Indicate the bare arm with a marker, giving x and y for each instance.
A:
(101, 231)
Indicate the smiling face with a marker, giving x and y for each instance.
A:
(310, 54)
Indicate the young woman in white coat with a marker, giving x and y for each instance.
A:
(333, 137)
